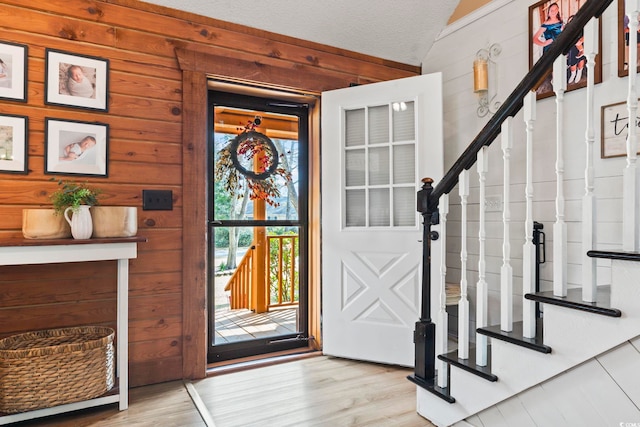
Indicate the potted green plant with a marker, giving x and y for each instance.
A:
(73, 200)
(73, 194)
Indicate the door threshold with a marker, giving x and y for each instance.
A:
(246, 363)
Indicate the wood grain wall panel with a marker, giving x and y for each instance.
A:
(154, 371)
(156, 261)
(149, 117)
(160, 219)
(149, 284)
(58, 315)
(155, 349)
(153, 329)
(149, 307)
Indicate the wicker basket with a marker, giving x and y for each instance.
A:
(56, 366)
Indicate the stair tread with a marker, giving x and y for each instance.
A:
(469, 364)
(432, 387)
(516, 337)
(574, 300)
(620, 255)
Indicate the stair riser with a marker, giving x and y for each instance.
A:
(574, 336)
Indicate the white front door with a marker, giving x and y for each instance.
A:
(378, 142)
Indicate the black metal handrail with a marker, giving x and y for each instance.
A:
(429, 196)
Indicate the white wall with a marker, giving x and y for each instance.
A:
(506, 22)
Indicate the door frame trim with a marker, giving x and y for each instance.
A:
(197, 68)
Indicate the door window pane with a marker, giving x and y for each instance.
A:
(379, 207)
(379, 166)
(404, 206)
(354, 127)
(404, 128)
(404, 164)
(355, 208)
(355, 168)
(379, 124)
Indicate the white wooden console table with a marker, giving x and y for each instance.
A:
(23, 252)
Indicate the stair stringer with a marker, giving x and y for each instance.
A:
(574, 336)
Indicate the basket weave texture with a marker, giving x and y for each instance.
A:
(53, 367)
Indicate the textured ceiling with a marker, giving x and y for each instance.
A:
(399, 30)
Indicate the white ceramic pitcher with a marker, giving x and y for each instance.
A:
(80, 222)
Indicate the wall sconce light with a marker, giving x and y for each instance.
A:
(484, 68)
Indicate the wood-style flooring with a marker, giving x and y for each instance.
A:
(242, 324)
(314, 391)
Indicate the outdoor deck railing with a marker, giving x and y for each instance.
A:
(282, 274)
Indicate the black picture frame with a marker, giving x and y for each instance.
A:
(539, 14)
(13, 71)
(76, 148)
(13, 144)
(78, 81)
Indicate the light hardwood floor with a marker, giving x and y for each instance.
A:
(315, 391)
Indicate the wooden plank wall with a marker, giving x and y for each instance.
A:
(145, 152)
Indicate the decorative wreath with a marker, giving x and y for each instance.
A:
(242, 150)
(250, 143)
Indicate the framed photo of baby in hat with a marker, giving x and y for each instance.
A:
(79, 81)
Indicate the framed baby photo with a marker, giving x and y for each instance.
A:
(13, 143)
(13, 71)
(76, 148)
(547, 19)
(79, 81)
(623, 42)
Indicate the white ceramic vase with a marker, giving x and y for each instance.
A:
(80, 222)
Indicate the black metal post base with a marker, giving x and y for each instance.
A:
(424, 338)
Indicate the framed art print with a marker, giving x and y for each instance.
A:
(547, 19)
(615, 125)
(76, 148)
(623, 41)
(13, 143)
(76, 80)
(13, 71)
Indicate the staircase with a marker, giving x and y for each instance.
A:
(498, 360)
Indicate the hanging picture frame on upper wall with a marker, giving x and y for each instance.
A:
(623, 41)
(13, 143)
(13, 71)
(79, 81)
(547, 19)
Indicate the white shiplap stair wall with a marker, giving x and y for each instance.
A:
(583, 344)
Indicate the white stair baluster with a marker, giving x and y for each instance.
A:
(588, 201)
(630, 215)
(443, 319)
(482, 298)
(506, 272)
(463, 304)
(560, 227)
(529, 250)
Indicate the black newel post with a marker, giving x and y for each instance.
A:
(424, 335)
